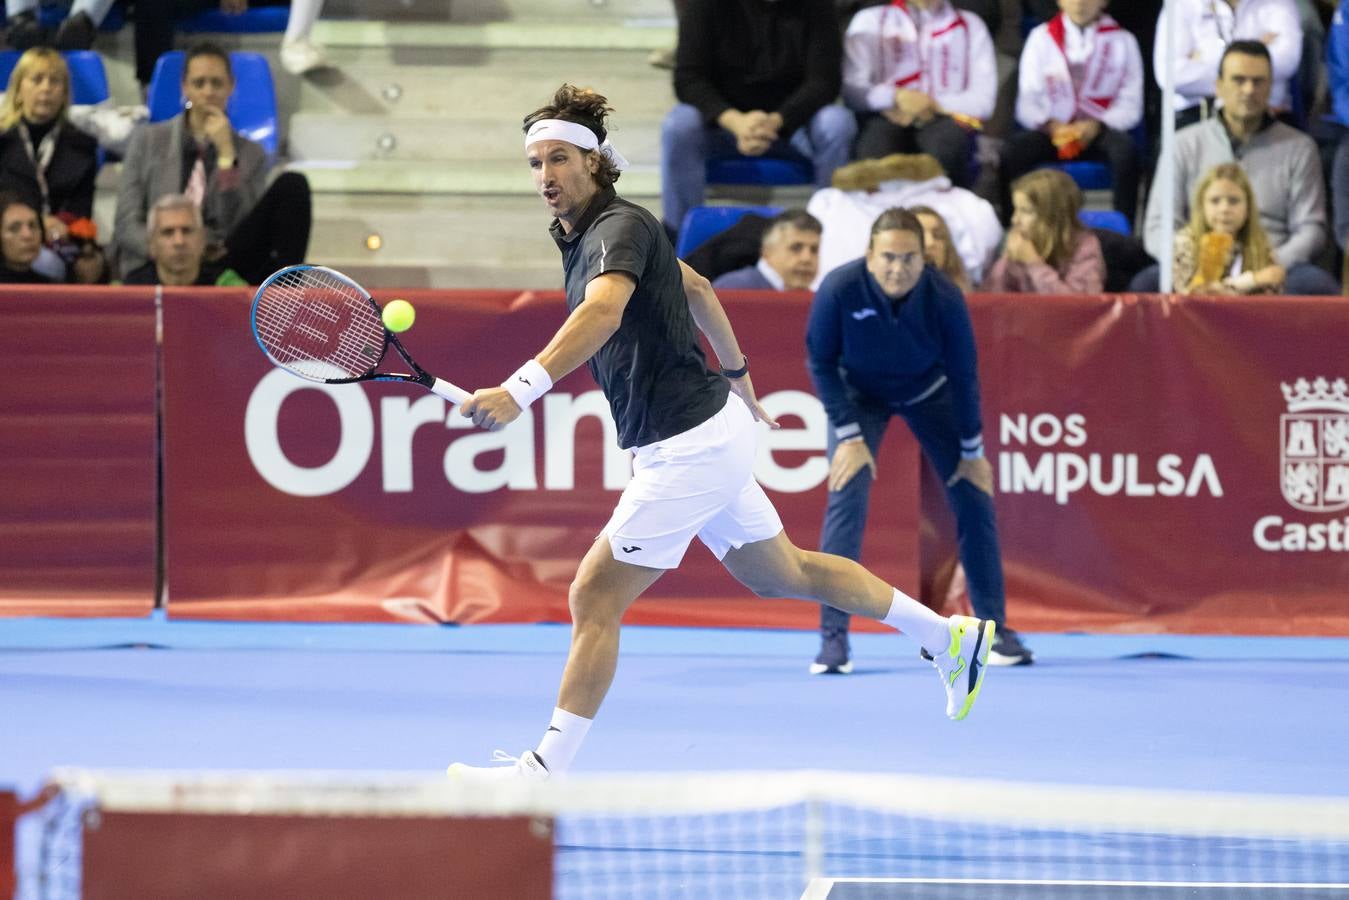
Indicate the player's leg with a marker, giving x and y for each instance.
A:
(957, 646)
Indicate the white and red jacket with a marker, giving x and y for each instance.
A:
(942, 51)
(1204, 28)
(1111, 87)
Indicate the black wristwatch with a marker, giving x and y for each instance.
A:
(737, 373)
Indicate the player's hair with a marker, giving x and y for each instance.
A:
(1246, 48)
(1057, 200)
(1251, 237)
(584, 107)
(796, 217)
(897, 218)
(10, 111)
(170, 202)
(953, 267)
(207, 48)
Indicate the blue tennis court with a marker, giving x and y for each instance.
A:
(1250, 715)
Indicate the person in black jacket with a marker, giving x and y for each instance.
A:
(44, 160)
(20, 242)
(753, 78)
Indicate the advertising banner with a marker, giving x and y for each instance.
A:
(79, 451)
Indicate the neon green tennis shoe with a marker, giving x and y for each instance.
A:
(963, 662)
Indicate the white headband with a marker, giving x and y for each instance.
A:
(573, 133)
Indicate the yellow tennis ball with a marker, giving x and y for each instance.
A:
(399, 315)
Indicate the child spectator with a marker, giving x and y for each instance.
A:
(1223, 249)
(1080, 91)
(939, 250)
(1048, 250)
(922, 76)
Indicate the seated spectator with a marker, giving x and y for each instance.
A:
(922, 76)
(1048, 250)
(251, 227)
(865, 189)
(1281, 162)
(1080, 92)
(789, 256)
(938, 249)
(753, 79)
(1223, 250)
(44, 160)
(1335, 128)
(76, 31)
(86, 263)
(178, 249)
(20, 241)
(1204, 29)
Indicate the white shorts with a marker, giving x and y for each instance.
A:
(699, 482)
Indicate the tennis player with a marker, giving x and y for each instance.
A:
(633, 310)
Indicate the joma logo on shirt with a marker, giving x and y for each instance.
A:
(861, 314)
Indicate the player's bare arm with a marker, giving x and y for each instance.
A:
(711, 319)
(586, 330)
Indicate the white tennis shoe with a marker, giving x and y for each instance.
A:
(528, 765)
(963, 662)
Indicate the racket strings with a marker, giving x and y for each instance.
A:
(319, 325)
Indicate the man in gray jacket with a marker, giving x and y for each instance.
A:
(252, 226)
(1281, 162)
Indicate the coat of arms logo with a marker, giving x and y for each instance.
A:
(1314, 445)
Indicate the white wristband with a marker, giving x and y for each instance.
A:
(530, 382)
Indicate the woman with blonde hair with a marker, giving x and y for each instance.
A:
(1223, 249)
(46, 161)
(938, 248)
(1048, 250)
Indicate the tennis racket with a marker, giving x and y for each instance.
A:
(322, 326)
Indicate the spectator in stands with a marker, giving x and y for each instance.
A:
(76, 31)
(1048, 250)
(753, 79)
(922, 76)
(20, 242)
(157, 23)
(1281, 162)
(178, 248)
(789, 256)
(1337, 129)
(1205, 28)
(251, 227)
(890, 336)
(1223, 249)
(938, 248)
(86, 263)
(864, 189)
(1080, 92)
(46, 161)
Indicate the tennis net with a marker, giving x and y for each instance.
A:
(821, 835)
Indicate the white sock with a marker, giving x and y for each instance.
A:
(303, 15)
(930, 630)
(562, 740)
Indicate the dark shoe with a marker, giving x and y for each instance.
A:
(1008, 650)
(76, 33)
(833, 657)
(25, 32)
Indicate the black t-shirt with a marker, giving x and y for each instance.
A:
(652, 370)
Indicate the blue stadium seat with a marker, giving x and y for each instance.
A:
(759, 170)
(52, 15)
(702, 222)
(252, 107)
(255, 20)
(1096, 176)
(88, 78)
(1110, 219)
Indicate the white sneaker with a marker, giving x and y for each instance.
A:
(299, 57)
(527, 765)
(963, 662)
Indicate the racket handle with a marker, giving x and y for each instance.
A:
(453, 393)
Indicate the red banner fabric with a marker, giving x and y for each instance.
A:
(1162, 464)
(290, 500)
(78, 442)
